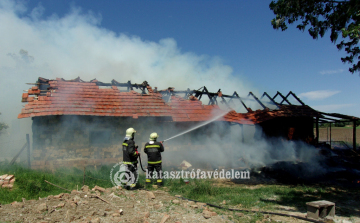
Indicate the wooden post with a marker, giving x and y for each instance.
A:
(330, 135)
(84, 177)
(354, 135)
(17, 155)
(242, 133)
(317, 130)
(327, 134)
(28, 150)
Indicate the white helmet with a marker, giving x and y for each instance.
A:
(130, 132)
(153, 136)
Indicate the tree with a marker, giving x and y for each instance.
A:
(340, 17)
(3, 126)
(340, 124)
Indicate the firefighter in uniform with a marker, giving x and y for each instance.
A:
(153, 150)
(130, 155)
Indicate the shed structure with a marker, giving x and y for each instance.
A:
(79, 123)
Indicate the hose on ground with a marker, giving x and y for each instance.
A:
(263, 212)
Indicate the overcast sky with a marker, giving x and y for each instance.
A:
(183, 44)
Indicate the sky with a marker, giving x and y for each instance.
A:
(227, 45)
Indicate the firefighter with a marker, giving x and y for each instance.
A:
(130, 155)
(153, 149)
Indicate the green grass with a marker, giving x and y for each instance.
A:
(266, 197)
(204, 191)
(30, 184)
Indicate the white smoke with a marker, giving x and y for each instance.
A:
(76, 45)
(222, 146)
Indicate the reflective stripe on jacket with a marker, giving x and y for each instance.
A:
(153, 151)
(129, 154)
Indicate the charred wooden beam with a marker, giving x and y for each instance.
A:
(283, 97)
(334, 120)
(250, 93)
(298, 99)
(211, 96)
(272, 100)
(235, 95)
(128, 85)
(317, 130)
(28, 150)
(286, 97)
(225, 102)
(354, 135)
(330, 135)
(336, 115)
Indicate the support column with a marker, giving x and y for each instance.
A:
(317, 130)
(242, 133)
(327, 134)
(330, 134)
(354, 135)
(28, 150)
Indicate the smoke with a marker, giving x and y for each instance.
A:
(76, 45)
(219, 145)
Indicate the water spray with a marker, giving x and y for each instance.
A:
(196, 127)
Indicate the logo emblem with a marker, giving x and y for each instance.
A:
(123, 174)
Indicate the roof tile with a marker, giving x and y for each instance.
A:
(85, 98)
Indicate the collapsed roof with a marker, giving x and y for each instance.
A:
(94, 98)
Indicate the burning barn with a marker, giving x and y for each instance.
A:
(78, 123)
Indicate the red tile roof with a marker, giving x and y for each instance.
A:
(193, 110)
(86, 98)
(78, 98)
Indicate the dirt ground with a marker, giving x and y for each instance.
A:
(109, 205)
(119, 205)
(347, 203)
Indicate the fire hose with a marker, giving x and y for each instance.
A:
(244, 210)
(253, 211)
(141, 163)
(136, 150)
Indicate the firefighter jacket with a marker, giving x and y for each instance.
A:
(153, 150)
(129, 154)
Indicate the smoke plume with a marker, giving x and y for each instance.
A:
(76, 45)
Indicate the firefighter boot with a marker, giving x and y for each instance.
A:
(159, 183)
(132, 187)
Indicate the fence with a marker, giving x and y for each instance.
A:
(341, 136)
(26, 146)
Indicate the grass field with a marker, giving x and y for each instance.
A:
(30, 184)
(338, 134)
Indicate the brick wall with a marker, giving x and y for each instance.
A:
(78, 141)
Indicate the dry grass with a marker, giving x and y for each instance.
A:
(338, 134)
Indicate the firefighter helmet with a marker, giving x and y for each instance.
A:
(153, 136)
(130, 132)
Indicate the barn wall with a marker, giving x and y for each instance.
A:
(82, 140)
(78, 141)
